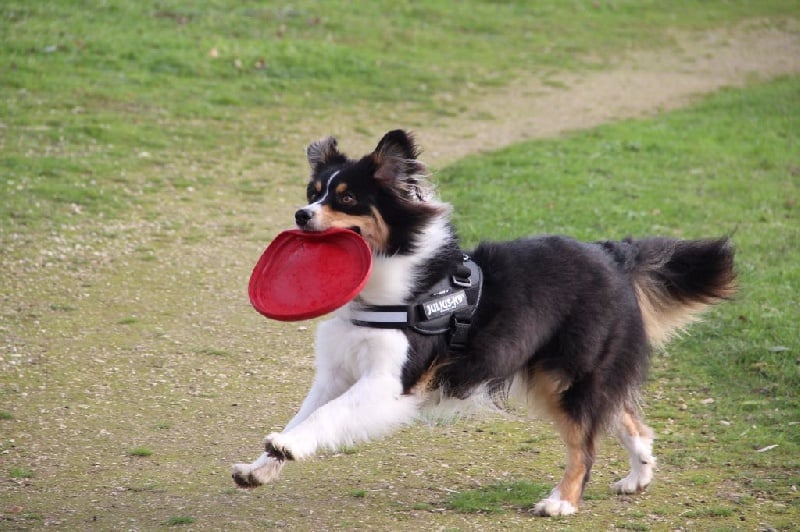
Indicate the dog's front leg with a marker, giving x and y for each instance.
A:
(374, 406)
(266, 469)
(327, 385)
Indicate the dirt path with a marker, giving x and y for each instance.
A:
(636, 84)
(146, 339)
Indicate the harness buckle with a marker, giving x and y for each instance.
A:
(463, 275)
(460, 281)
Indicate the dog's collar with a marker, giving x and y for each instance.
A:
(447, 308)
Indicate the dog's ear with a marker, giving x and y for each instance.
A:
(396, 158)
(322, 152)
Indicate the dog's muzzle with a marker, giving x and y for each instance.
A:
(302, 217)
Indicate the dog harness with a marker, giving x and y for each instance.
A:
(446, 309)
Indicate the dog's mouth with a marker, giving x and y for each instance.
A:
(354, 228)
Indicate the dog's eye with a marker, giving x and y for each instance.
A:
(347, 198)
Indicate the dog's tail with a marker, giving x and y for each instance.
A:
(676, 280)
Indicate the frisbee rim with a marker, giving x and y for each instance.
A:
(287, 241)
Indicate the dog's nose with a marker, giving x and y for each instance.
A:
(302, 217)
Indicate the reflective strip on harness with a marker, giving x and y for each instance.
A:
(379, 316)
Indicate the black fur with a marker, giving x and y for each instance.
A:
(556, 305)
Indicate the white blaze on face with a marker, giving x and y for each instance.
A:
(327, 189)
(314, 208)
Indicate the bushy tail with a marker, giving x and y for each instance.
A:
(676, 280)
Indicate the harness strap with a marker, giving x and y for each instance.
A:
(459, 330)
(447, 309)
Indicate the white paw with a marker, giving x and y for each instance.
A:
(553, 507)
(635, 482)
(262, 471)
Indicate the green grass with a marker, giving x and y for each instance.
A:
(180, 521)
(713, 511)
(141, 452)
(96, 95)
(210, 351)
(498, 498)
(21, 472)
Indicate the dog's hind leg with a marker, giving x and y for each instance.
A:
(637, 438)
(565, 497)
(580, 441)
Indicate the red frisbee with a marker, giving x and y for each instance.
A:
(305, 274)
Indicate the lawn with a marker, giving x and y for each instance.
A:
(104, 105)
(150, 150)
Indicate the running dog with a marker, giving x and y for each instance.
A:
(566, 326)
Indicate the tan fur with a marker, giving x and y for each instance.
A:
(664, 317)
(571, 485)
(630, 423)
(425, 383)
(543, 392)
(373, 228)
(544, 395)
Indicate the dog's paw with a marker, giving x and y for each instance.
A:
(284, 447)
(633, 483)
(553, 507)
(638, 479)
(244, 476)
(260, 472)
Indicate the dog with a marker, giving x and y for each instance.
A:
(566, 326)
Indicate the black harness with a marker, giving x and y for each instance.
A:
(446, 309)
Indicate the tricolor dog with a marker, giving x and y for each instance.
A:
(565, 326)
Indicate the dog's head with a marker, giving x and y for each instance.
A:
(384, 196)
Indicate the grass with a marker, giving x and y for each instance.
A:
(143, 149)
(179, 521)
(141, 452)
(21, 472)
(497, 498)
(95, 94)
